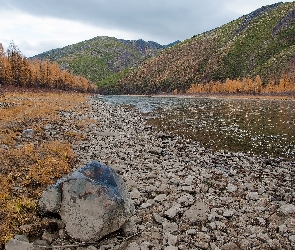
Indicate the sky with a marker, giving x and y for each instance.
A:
(36, 26)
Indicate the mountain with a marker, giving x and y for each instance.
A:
(260, 43)
(102, 56)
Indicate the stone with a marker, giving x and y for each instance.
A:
(28, 133)
(50, 201)
(169, 227)
(19, 242)
(133, 246)
(173, 211)
(229, 213)
(171, 248)
(146, 204)
(40, 244)
(135, 194)
(292, 238)
(191, 232)
(91, 248)
(161, 197)
(146, 245)
(230, 246)
(197, 212)
(283, 228)
(231, 188)
(287, 209)
(186, 199)
(91, 201)
(170, 239)
(159, 219)
(49, 237)
(252, 196)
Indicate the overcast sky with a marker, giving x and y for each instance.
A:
(36, 26)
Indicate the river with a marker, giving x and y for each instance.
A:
(255, 126)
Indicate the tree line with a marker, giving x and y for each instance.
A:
(245, 86)
(18, 71)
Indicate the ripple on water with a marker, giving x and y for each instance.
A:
(264, 127)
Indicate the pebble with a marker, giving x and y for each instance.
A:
(287, 209)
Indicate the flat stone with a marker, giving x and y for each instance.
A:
(135, 194)
(231, 188)
(173, 211)
(161, 197)
(171, 248)
(287, 209)
(191, 232)
(19, 244)
(159, 219)
(197, 212)
(169, 227)
(171, 239)
(229, 213)
(28, 133)
(186, 199)
(252, 196)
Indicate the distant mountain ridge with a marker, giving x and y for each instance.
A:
(260, 43)
(102, 56)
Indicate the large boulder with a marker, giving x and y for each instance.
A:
(91, 201)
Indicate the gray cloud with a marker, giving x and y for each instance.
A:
(163, 20)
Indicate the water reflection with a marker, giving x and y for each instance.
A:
(264, 127)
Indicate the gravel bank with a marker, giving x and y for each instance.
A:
(188, 197)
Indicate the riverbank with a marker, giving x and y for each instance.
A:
(186, 196)
(229, 96)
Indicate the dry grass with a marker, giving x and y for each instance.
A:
(29, 163)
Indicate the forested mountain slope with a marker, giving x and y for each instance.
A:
(260, 43)
(102, 56)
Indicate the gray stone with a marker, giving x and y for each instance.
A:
(21, 237)
(159, 219)
(91, 248)
(287, 209)
(146, 245)
(40, 244)
(173, 211)
(135, 194)
(171, 248)
(91, 201)
(186, 199)
(229, 213)
(230, 246)
(197, 212)
(50, 201)
(170, 239)
(191, 232)
(169, 227)
(28, 133)
(292, 238)
(49, 237)
(133, 246)
(252, 196)
(160, 197)
(19, 243)
(231, 188)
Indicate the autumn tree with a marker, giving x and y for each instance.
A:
(2, 64)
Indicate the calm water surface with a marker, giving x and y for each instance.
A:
(264, 127)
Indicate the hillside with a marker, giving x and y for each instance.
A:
(101, 57)
(260, 43)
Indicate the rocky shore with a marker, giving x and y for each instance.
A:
(186, 196)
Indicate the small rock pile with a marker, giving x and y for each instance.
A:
(186, 196)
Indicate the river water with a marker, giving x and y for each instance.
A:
(255, 126)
